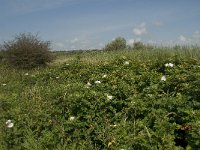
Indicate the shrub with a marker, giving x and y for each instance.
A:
(1, 55)
(27, 51)
(118, 44)
(138, 45)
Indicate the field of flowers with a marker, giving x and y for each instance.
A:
(106, 100)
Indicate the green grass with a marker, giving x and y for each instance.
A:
(57, 108)
(95, 57)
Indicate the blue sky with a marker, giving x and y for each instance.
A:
(88, 24)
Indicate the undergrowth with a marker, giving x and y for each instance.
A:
(124, 103)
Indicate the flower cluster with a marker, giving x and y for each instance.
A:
(126, 63)
(110, 97)
(97, 82)
(9, 123)
(169, 65)
(71, 118)
(163, 78)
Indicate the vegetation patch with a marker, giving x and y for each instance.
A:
(136, 100)
(26, 51)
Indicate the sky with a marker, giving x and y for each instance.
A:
(91, 24)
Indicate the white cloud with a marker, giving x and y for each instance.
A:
(75, 40)
(59, 44)
(138, 40)
(158, 23)
(101, 45)
(182, 38)
(75, 44)
(113, 39)
(27, 6)
(151, 42)
(130, 42)
(140, 30)
(196, 35)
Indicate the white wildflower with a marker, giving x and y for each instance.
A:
(169, 65)
(150, 95)
(104, 76)
(109, 97)
(113, 125)
(3, 84)
(126, 63)
(26, 74)
(163, 78)
(71, 118)
(57, 77)
(9, 123)
(97, 82)
(89, 84)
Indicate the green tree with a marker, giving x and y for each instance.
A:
(138, 45)
(118, 44)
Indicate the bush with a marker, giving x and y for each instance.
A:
(118, 44)
(1, 55)
(138, 45)
(27, 51)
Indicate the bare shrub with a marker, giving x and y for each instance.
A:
(27, 51)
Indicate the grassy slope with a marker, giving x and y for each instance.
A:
(144, 113)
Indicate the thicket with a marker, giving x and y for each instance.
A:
(126, 103)
(27, 51)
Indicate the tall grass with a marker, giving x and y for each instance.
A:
(143, 55)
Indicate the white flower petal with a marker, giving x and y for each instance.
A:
(71, 118)
(163, 78)
(171, 65)
(104, 76)
(97, 82)
(89, 84)
(109, 97)
(9, 123)
(113, 125)
(126, 63)
(166, 65)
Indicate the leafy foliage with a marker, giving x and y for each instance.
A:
(117, 44)
(130, 107)
(27, 51)
(138, 45)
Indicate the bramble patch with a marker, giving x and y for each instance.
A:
(121, 104)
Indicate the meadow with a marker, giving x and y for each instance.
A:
(90, 100)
